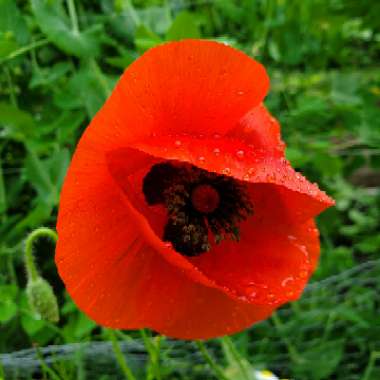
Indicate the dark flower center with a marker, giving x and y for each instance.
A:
(199, 204)
(205, 198)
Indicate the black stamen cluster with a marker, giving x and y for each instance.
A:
(172, 183)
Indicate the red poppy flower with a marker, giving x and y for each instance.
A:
(179, 211)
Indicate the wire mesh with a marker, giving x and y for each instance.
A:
(336, 323)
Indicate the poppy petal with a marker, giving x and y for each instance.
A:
(267, 265)
(92, 202)
(186, 101)
(259, 129)
(191, 86)
(118, 279)
(142, 290)
(233, 157)
(294, 245)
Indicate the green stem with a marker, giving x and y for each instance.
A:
(101, 78)
(24, 50)
(268, 17)
(34, 61)
(12, 92)
(210, 361)
(45, 368)
(371, 363)
(294, 355)
(73, 16)
(237, 357)
(30, 264)
(3, 197)
(120, 357)
(154, 354)
(11, 270)
(129, 6)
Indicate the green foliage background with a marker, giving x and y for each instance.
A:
(59, 60)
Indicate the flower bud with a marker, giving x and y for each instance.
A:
(42, 299)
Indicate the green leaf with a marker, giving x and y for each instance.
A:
(58, 165)
(184, 26)
(78, 326)
(7, 44)
(17, 124)
(47, 76)
(8, 310)
(145, 38)
(37, 216)
(321, 360)
(8, 307)
(88, 88)
(3, 199)
(54, 23)
(122, 61)
(31, 325)
(155, 18)
(11, 21)
(38, 174)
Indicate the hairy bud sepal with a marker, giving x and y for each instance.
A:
(42, 300)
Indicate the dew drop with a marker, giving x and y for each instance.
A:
(226, 171)
(240, 93)
(216, 151)
(201, 159)
(246, 177)
(287, 281)
(251, 290)
(303, 274)
(251, 171)
(178, 143)
(271, 297)
(240, 154)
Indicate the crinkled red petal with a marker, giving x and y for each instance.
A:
(235, 158)
(276, 255)
(190, 95)
(191, 86)
(106, 258)
(259, 129)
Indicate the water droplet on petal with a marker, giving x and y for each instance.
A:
(271, 297)
(251, 171)
(287, 281)
(240, 154)
(246, 177)
(216, 151)
(251, 293)
(240, 93)
(178, 143)
(201, 159)
(226, 171)
(303, 274)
